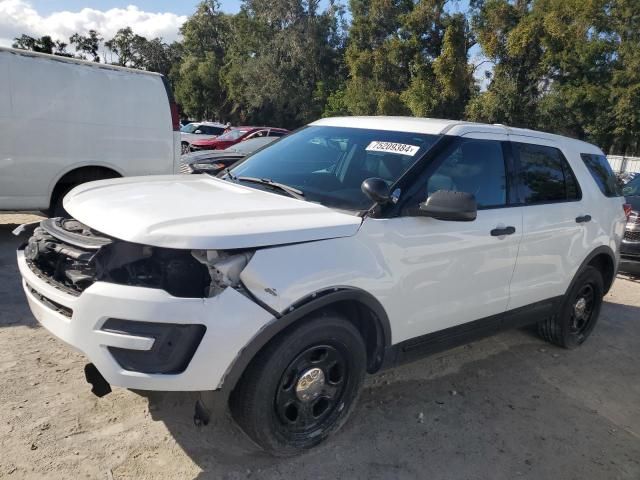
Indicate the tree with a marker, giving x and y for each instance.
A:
(199, 87)
(407, 57)
(43, 44)
(123, 44)
(87, 44)
(510, 35)
(283, 62)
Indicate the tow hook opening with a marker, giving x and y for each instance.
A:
(99, 386)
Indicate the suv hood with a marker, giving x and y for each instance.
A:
(202, 212)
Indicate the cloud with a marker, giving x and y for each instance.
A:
(18, 17)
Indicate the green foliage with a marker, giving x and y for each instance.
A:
(567, 66)
(87, 45)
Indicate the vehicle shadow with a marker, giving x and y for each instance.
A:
(13, 305)
(500, 408)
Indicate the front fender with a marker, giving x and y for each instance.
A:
(279, 277)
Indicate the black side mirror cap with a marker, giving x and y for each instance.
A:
(377, 190)
(448, 205)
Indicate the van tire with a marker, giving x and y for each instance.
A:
(578, 314)
(268, 403)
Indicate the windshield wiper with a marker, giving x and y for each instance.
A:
(293, 192)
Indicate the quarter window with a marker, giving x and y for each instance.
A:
(474, 166)
(602, 173)
(545, 175)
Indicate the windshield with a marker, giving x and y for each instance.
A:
(329, 164)
(632, 188)
(232, 134)
(250, 145)
(189, 128)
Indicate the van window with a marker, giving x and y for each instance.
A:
(474, 166)
(602, 173)
(545, 175)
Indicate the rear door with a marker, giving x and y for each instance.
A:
(553, 238)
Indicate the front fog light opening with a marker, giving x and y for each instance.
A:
(173, 348)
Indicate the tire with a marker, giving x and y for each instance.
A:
(185, 148)
(579, 312)
(302, 386)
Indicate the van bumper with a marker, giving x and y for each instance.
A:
(118, 328)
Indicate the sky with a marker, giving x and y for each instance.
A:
(62, 18)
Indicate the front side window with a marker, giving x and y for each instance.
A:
(474, 166)
(545, 175)
(329, 164)
(602, 173)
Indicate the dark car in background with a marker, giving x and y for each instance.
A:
(630, 247)
(214, 161)
(236, 135)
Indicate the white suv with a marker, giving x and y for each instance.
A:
(350, 246)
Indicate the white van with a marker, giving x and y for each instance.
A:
(64, 122)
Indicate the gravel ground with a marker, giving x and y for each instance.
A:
(507, 407)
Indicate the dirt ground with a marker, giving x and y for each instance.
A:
(507, 407)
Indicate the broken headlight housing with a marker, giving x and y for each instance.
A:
(73, 257)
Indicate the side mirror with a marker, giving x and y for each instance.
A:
(448, 205)
(198, 132)
(377, 190)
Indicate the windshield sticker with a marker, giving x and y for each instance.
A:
(390, 147)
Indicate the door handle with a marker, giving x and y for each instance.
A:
(499, 232)
(583, 219)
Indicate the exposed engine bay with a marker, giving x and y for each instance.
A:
(72, 256)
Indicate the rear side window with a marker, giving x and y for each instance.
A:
(545, 175)
(209, 130)
(602, 173)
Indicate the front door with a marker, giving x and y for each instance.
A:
(453, 272)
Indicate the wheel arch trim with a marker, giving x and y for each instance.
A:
(297, 311)
(601, 250)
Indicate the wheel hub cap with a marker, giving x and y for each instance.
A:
(310, 384)
(580, 307)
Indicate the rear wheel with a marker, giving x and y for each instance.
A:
(579, 312)
(302, 386)
(185, 148)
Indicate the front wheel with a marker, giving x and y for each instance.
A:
(302, 386)
(575, 321)
(185, 148)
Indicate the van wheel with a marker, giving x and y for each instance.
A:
(302, 386)
(579, 312)
(185, 148)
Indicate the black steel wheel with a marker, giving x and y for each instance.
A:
(302, 386)
(579, 312)
(311, 388)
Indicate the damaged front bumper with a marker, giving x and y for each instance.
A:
(123, 329)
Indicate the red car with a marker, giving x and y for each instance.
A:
(236, 135)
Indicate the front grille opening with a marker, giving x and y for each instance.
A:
(47, 302)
